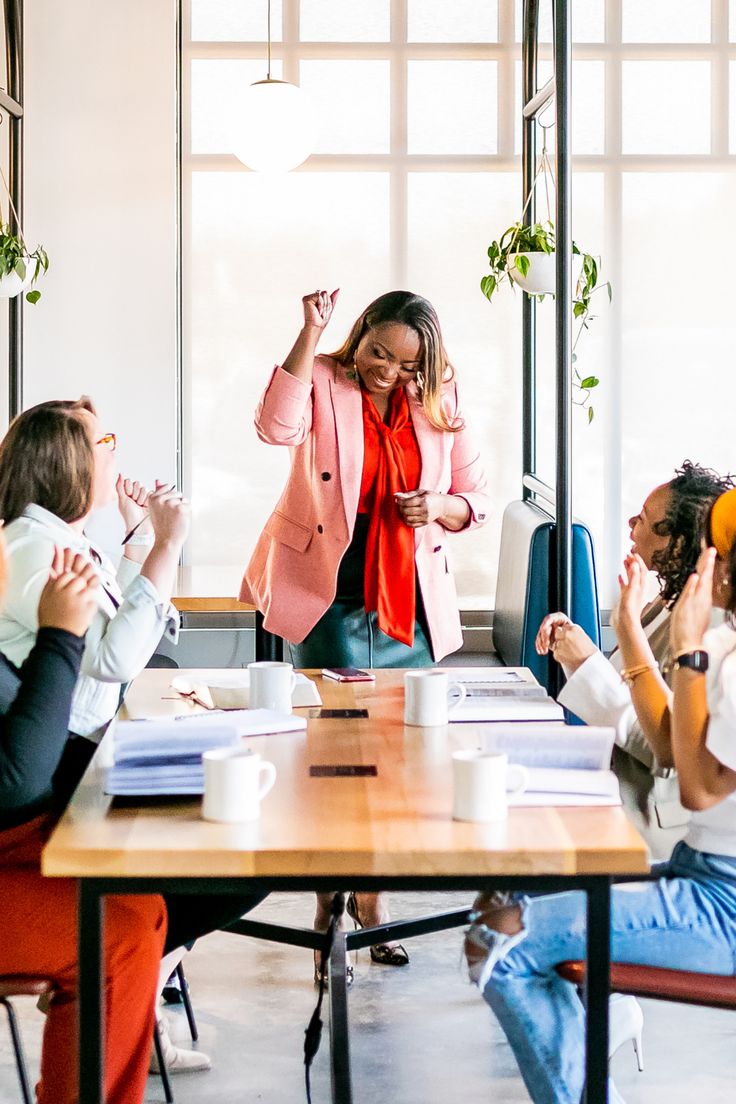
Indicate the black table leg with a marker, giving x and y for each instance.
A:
(597, 990)
(342, 1091)
(268, 646)
(91, 1028)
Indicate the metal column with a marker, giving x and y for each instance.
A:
(533, 103)
(12, 104)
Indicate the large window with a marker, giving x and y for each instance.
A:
(415, 170)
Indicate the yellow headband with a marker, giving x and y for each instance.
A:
(723, 523)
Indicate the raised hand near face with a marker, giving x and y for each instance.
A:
(133, 504)
(692, 611)
(170, 514)
(318, 308)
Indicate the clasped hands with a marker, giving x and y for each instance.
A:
(163, 511)
(690, 619)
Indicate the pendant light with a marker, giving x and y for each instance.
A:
(277, 130)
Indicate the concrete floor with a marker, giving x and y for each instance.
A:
(420, 1035)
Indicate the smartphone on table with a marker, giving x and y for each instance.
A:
(348, 674)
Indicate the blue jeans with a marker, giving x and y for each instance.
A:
(685, 920)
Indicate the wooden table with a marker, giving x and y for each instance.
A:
(391, 831)
(209, 589)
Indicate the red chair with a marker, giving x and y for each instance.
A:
(657, 983)
(17, 985)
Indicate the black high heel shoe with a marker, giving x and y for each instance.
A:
(381, 952)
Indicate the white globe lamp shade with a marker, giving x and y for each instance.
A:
(277, 132)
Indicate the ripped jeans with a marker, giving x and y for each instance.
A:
(686, 920)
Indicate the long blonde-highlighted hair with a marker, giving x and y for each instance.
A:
(408, 309)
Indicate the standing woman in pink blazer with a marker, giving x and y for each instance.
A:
(351, 568)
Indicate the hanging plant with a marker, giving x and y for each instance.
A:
(525, 255)
(19, 267)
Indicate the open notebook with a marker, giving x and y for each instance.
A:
(567, 764)
(502, 694)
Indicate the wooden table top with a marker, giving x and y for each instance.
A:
(397, 823)
(209, 589)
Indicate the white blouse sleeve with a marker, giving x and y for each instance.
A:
(118, 648)
(721, 735)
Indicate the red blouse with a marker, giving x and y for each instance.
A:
(391, 462)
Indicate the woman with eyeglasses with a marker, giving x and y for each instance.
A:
(352, 566)
(56, 467)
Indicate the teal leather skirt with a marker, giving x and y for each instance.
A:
(347, 636)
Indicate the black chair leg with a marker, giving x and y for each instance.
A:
(186, 999)
(20, 1061)
(165, 1080)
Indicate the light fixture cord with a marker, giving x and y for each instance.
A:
(268, 74)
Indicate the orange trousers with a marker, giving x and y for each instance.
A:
(39, 936)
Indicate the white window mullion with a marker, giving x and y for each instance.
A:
(399, 182)
(290, 34)
(613, 508)
(719, 78)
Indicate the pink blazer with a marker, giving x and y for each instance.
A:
(292, 575)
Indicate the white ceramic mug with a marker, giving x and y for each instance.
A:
(479, 785)
(429, 697)
(236, 780)
(271, 685)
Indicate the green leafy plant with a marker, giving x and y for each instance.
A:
(16, 257)
(505, 256)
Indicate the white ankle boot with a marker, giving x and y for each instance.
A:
(177, 1059)
(625, 1021)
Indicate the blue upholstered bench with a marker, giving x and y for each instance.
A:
(525, 588)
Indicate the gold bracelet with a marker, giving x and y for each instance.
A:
(628, 674)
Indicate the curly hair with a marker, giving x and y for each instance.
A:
(693, 491)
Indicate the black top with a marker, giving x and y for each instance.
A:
(35, 701)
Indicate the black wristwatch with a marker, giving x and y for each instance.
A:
(694, 661)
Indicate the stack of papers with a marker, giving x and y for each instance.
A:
(567, 764)
(165, 756)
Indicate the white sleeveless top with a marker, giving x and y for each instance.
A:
(714, 829)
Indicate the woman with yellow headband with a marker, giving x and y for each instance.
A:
(686, 919)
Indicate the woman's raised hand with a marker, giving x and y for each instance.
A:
(318, 308)
(692, 610)
(170, 514)
(132, 503)
(633, 587)
(69, 599)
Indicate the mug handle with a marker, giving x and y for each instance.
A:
(461, 692)
(523, 780)
(267, 785)
(293, 681)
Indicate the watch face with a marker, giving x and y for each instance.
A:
(694, 661)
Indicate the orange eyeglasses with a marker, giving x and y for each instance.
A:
(110, 441)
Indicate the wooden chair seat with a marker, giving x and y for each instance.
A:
(682, 986)
(23, 985)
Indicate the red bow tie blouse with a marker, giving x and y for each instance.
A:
(391, 463)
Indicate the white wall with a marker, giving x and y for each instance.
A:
(100, 195)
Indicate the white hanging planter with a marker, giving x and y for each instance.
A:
(540, 277)
(11, 284)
